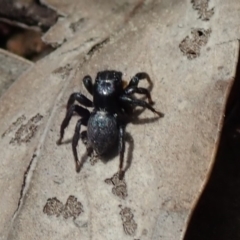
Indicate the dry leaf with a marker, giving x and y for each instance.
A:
(172, 157)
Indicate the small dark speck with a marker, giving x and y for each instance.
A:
(145, 232)
(220, 67)
(208, 49)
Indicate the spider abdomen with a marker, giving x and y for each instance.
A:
(102, 131)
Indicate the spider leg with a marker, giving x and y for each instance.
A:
(139, 76)
(87, 81)
(133, 86)
(137, 102)
(79, 98)
(121, 146)
(133, 89)
(84, 138)
(82, 121)
(83, 112)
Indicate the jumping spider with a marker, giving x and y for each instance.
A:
(105, 124)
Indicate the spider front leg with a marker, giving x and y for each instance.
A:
(144, 91)
(87, 81)
(133, 86)
(139, 76)
(137, 102)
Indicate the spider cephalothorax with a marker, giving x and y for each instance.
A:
(111, 104)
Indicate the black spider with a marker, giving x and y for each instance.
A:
(111, 104)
